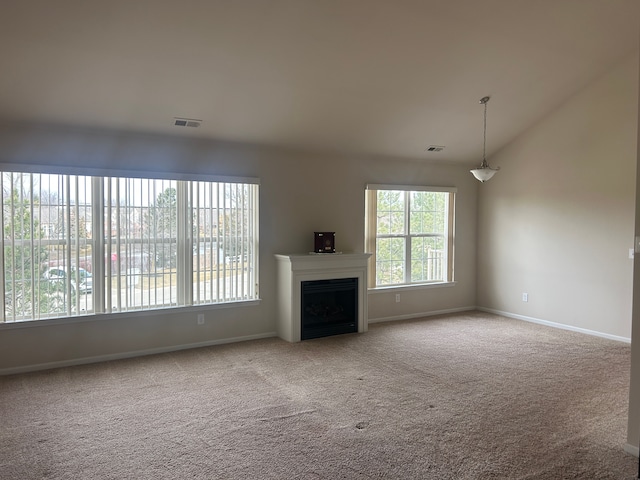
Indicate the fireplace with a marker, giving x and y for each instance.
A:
(329, 307)
(336, 297)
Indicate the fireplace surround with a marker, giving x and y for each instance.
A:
(294, 269)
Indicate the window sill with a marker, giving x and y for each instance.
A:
(404, 288)
(97, 317)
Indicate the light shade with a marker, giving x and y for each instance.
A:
(484, 172)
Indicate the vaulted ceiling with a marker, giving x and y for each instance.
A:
(386, 77)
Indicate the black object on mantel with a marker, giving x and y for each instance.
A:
(325, 242)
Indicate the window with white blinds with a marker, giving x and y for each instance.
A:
(75, 245)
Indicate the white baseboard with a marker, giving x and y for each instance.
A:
(555, 325)
(635, 451)
(173, 348)
(420, 315)
(137, 353)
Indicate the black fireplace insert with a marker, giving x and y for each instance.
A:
(329, 307)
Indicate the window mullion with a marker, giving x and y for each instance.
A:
(32, 251)
(184, 255)
(407, 238)
(97, 243)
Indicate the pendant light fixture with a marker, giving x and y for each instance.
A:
(484, 172)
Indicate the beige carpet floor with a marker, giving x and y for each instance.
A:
(471, 396)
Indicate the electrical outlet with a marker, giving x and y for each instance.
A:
(201, 319)
(397, 298)
(525, 297)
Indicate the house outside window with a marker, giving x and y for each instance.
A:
(74, 245)
(409, 231)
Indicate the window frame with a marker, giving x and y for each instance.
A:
(187, 300)
(372, 236)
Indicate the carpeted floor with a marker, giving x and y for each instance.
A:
(471, 396)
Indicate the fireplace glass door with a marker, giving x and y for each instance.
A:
(329, 307)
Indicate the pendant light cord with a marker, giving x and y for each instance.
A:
(484, 145)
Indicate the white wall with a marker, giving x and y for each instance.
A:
(300, 193)
(557, 221)
(633, 430)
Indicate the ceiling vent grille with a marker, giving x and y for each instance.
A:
(434, 148)
(186, 122)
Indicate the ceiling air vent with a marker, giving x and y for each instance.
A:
(186, 122)
(434, 148)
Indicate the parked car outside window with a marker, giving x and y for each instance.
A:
(80, 279)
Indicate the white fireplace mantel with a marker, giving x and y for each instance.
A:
(297, 268)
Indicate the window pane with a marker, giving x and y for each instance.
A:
(428, 259)
(428, 212)
(391, 213)
(390, 261)
(47, 245)
(141, 243)
(224, 245)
